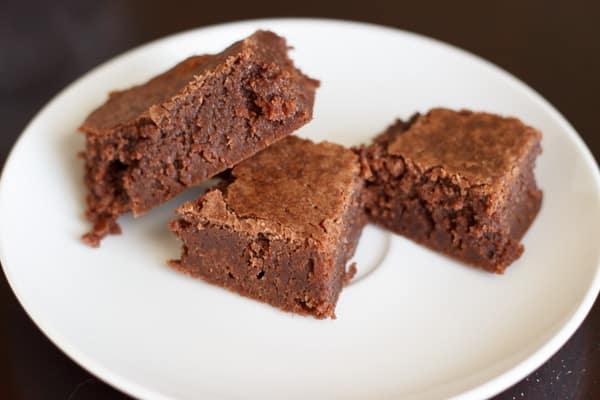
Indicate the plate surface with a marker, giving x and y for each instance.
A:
(412, 325)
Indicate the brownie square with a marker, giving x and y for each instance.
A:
(281, 229)
(149, 143)
(459, 182)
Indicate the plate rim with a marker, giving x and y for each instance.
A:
(487, 389)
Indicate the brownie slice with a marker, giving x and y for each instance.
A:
(460, 183)
(149, 143)
(281, 230)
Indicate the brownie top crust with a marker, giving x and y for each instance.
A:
(480, 147)
(128, 105)
(294, 189)
(154, 99)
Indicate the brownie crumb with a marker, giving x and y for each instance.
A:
(459, 182)
(350, 274)
(281, 229)
(149, 143)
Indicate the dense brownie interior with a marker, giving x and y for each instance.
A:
(148, 143)
(458, 182)
(281, 230)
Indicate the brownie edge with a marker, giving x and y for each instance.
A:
(458, 182)
(149, 143)
(281, 230)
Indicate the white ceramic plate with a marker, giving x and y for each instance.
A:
(418, 326)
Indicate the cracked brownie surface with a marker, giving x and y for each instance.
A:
(149, 143)
(459, 182)
(281, 229)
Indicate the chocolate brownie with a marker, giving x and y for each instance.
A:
(461, 183)
(149, 143)
(281, 229)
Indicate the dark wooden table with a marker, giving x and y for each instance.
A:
(552, 45)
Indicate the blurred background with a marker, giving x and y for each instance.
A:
(552, 45)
